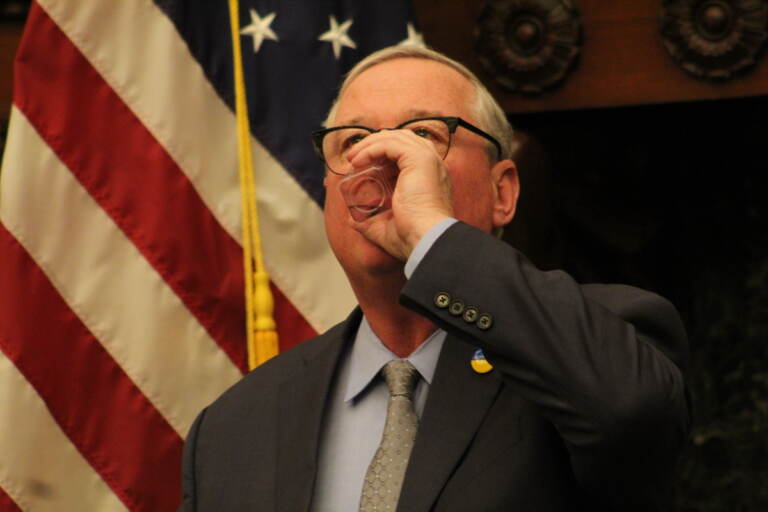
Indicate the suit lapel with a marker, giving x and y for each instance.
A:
(301, 404)
(458, 401)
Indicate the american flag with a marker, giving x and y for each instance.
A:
(121, 281)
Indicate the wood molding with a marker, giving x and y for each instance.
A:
(622, 60)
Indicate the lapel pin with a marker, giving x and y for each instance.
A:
(479, 363)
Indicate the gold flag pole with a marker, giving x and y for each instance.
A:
(259, 305)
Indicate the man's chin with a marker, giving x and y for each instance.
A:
(379, 262)
(393, 269)
(374, 262)
(362, 259)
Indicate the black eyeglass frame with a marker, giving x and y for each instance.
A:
(452, 122)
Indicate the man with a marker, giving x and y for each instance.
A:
(584, 408)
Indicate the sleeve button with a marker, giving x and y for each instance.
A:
(484, 322)
(442, 299)
(471, 314)
(456, 308)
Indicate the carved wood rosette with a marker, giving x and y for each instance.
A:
(714, 39)
(528, 45)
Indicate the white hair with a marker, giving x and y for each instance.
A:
(489, 114)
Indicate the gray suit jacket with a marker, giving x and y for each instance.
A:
(584, 410)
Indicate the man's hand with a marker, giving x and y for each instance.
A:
(421, 198)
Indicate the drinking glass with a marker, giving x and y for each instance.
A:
(369, 191)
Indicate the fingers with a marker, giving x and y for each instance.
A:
(399, 146)
(421, 196)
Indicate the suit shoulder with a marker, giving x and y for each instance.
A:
(654, 317)
(628, 302)
(262, 381)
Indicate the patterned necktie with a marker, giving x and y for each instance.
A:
(381, 488)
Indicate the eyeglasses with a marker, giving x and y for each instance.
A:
(333, 144)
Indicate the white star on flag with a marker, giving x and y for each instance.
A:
(259, 29)
(337, 36)
(414, 38)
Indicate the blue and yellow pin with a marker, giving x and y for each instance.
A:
(479, 363)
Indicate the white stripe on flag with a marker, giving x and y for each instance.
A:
(61, 479)
(107, 282)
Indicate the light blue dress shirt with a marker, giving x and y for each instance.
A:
(357, 407)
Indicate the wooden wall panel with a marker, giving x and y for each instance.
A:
(622, 61)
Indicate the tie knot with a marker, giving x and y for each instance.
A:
(400, 376)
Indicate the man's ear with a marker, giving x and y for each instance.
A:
(507, 186)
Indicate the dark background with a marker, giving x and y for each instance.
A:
(671, 198)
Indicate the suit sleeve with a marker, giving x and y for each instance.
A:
(602, 363)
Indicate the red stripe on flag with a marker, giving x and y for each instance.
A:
(115, 427)
(292, 328)
(7, 504)
(133, 178)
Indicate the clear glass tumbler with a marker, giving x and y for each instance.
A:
(369, 191)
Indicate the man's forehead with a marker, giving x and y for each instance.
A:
(412, 113)
(432, 88)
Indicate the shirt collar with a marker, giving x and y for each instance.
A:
(369, 355)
